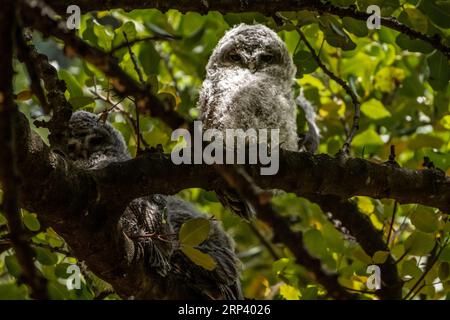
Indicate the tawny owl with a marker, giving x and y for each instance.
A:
(92, 144)
(248, 84)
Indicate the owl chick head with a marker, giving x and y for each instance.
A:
(89, 140)
(253, 47)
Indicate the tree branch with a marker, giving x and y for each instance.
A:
(263, 6)
(367, 236)
(9, 175)
(241, 182)
(39, 65)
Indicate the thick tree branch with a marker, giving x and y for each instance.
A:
(9, 176)
(262, 6)
(299, 173)
(39, 65)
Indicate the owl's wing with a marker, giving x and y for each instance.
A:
(231, 200)
(223, 281)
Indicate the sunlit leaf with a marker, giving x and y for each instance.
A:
(204, 260)
(289, 292)
(31, 222)
(194, 231)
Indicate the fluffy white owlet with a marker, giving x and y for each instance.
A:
(145, 231)
(248, 84)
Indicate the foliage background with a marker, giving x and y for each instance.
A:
(401, 82)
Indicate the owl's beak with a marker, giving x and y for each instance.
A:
(252, 66)
(75, 149)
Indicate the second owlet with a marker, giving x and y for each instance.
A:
(248, 84)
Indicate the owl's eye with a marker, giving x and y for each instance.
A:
(71, 147)
(235, 57)
(267, 58)
(96, 141)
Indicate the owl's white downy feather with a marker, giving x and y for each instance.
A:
(249, 84)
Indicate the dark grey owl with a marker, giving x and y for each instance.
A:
(146, 226)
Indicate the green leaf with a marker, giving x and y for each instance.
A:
(388, 78)
(444, 271)
(439, 70)
(413, 45)
(12, 291)
(149, 58)
(334, 34)
(157, 30)
(80, 102)
(367, 138)
(438, 12)
(380, 257)
(305, 17)
(362, 256)
(199, 258)
(445, 254)
(410, 268)
(119, 39)
(357, 27)
(73, 86)
(374, 109)
(445, 122)
(13, 266)
(31, 222)
(194, 231)
(419, 243)
(45, 256)
(417, 19)
(289, 292)
(305, 62)
(425, 141)
(61, 270)
(58, 291)
(104, 36)
(425, 219)
(315, 242)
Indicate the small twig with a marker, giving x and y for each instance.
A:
(148, 38)
(342, 83)
(429, 267)
(345, 86)
(360, 291)
(402, 257)
(134, 59)
(264, 241)
(117, 106)
(141, 80)
(394, 211)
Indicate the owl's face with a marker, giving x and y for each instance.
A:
(88, 137)
(255, 48)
